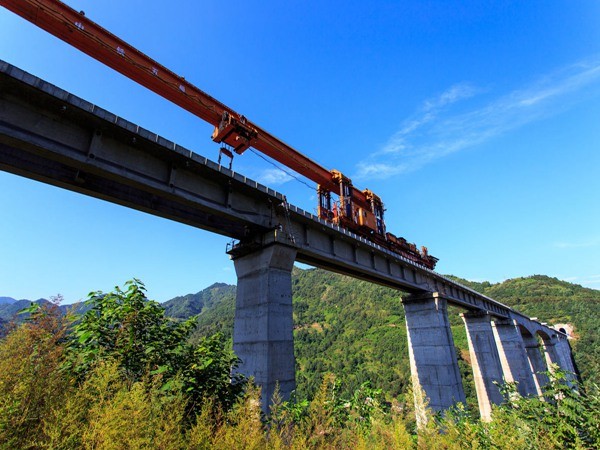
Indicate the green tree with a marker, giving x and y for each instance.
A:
(125, 327)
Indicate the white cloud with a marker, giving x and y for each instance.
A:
(452, 95)
(437, 129)
(569, 279)
(273, 177)
(578, 244)
(428, 113)
(586, 280)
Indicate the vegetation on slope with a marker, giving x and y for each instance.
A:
(107, 383)
(356, 330)
(555, 301)
(186, 306)
(350, 328)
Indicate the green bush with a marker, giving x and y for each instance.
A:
(125, 327)
(126, 377)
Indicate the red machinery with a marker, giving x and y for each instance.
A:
(359, 211)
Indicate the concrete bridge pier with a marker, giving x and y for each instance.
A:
(564, 349)
(550, 354)
(513, 356)
(433, 362)
(537, 362)
(559, 353)
(263, 324)
(485, 361)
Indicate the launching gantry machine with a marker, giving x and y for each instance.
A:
(361, 212)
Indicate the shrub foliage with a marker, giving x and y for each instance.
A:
(126, 328)
(123, 376)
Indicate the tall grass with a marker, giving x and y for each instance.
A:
(31, 383)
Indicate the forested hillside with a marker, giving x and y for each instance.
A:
(356, 329)
(124, 375)
(10, 310)
(189, 305)
(554, 301)
(13, 311)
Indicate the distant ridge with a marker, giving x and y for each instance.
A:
(10, 310)
(7, 300)
(190, 305)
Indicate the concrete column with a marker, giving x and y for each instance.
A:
(564, 348)
(484, 360)
(263, 324)
(550, 353)
(536, 362)
(559, 353)
(433, 362)
(513, 357)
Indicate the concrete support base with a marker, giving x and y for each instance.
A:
(485, 361)
(263, 324)
(537, 363)
(433, 362)
(564, 348)
(513, 357)
(550, 354)
(559, 353)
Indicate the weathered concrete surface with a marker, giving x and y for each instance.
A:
(558, 353)
(551, 354)
(485, 361)
(433, 362)
(263, 324)
(513, 356)
(537, 362)
(566, 355)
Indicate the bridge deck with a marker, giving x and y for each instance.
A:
(50, 135)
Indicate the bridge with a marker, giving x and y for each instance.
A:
(52, 136)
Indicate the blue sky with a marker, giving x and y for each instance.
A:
(477, 122)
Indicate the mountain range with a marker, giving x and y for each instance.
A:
(9, 307)
(7, 300)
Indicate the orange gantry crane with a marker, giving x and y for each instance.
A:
(359, 211)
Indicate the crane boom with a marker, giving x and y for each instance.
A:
(359, 211)
(231, 127)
